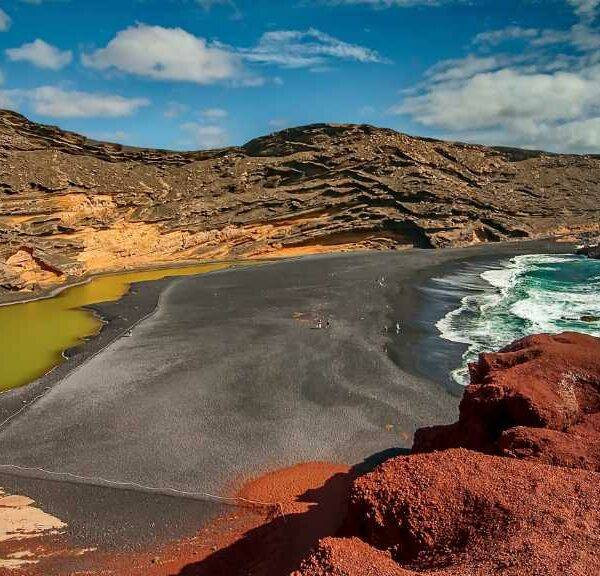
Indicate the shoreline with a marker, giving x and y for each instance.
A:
(433, 306)
(53, 291)
(343, 410)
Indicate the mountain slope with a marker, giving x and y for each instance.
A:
(70, 206)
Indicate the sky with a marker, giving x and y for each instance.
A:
(191, 74)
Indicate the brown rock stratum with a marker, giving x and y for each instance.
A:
(523, 500)
(70, 206)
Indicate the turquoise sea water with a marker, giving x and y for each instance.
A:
(526, 295)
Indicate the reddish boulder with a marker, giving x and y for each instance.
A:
(541, 381)
(461, 512)
(349, 557)
(579, 447)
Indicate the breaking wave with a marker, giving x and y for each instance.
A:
(528, 295)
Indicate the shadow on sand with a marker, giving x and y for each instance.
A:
(277, 547)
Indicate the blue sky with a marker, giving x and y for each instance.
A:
(190, 74)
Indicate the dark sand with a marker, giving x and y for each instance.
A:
(235, 373)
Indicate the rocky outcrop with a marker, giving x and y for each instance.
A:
(578, 447)
(522, 500)
(349, 557)
(591, 251)
(462, 512)
(537, 398)
(78, 206)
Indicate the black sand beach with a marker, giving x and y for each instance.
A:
(230, 374)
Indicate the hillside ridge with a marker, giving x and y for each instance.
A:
(72, 206)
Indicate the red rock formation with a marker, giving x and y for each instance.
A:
(462, 512)
(523, 500)
(349, 557)
(540, 382)
(577, 448)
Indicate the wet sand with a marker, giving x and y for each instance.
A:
(233, 374)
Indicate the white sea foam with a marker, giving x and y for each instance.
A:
(528, 294)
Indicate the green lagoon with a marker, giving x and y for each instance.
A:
(33, 335)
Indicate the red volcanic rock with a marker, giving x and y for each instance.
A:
(540, 381)
(579, 447)
(349, 557)
(450, 511)
(461, 512)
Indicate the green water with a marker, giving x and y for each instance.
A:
(33, 335)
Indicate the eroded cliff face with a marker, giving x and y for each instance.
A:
(70, 206)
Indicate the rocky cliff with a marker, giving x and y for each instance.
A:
(70, 206)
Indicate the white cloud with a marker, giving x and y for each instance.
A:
(496, 37)
(543, 97)
(41, 54)
(4, 21)
(585, 8)
(505, 97)
(175, 109)
(306, 49)
(462, 68)
(214, 113)
(166, 54)
(205, 136)
(59, 103)
(578, 136)
(581, 36)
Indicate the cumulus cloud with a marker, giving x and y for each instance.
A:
(172, 54)
(585, 8)
(306, 49)
(166, 54)
(57, 102)
(4, 21)
(214, 113)
(206, 136)
(506, 96)
(41, 54)
(542, 97)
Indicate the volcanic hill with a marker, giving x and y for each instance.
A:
(70, 206)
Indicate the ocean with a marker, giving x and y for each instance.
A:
(523, 295)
